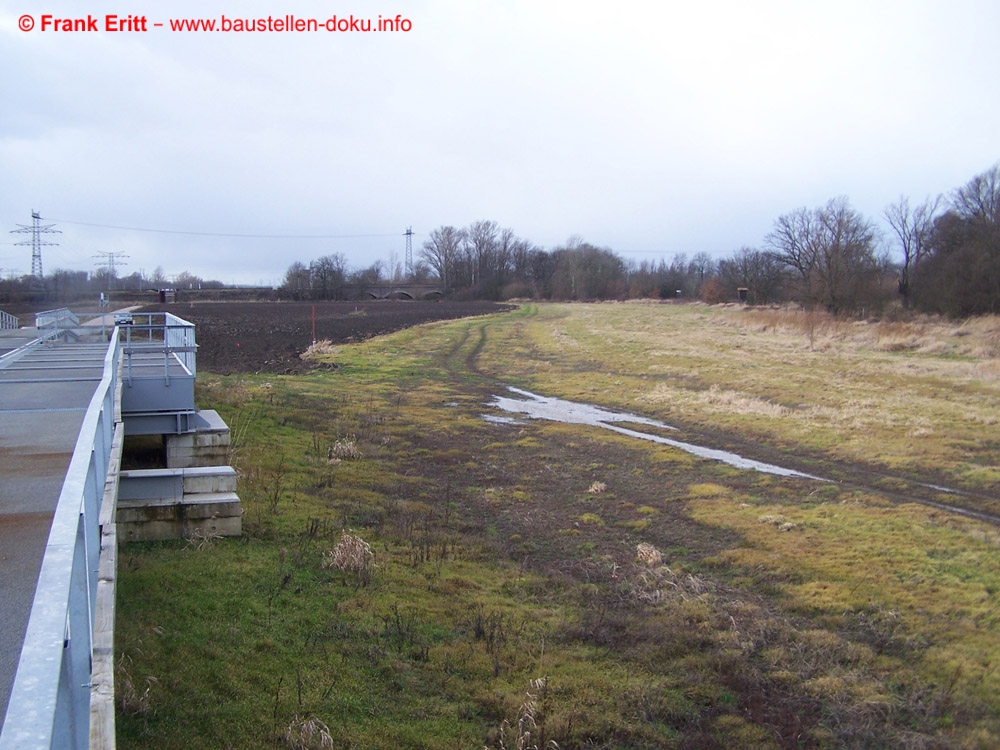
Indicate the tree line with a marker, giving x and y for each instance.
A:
(62, 284)
(941, 255)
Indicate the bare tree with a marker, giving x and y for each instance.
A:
(158, 279)
(830, 252)
(978, 200)
(961, 274)
(701, 267)
(585, 272)
(757, 272)
(912, 227)
(507, 246)
(538, 269)
(329, 274)
(297, 280)
(794, 243)
(442, 251)
(365, 278)
(187, 280)
(481, 240)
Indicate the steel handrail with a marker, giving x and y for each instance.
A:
(175, 336)
(49, 703)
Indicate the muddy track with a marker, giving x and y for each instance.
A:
(853, 476)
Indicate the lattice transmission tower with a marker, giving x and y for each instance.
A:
(409, 252)
(37, 229)
(111, 261)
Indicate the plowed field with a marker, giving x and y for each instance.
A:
(270, 336)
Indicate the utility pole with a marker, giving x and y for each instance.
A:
(37, 229)
(111, 260)
(409, 252)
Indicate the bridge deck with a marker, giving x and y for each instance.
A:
(43, 398)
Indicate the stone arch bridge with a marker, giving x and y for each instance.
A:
(395, 291)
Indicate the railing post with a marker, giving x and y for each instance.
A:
(167, 343)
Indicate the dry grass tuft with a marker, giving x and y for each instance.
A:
(778, 520)
(202, 538)
(130, 699)
(308, 734)
(320, 349)
(352, 555)
(344, 450)
(648, 555)
(738, 403)
(654, 584)
(528, 720)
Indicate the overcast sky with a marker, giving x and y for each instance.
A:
(650, 128)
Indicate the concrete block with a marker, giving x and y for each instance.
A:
(209, 479)
(158, 530)
(211, 440)
(192, 507)
(185, 459)
(197, 450)
(206, 513)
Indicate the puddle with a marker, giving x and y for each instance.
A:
(494, 419)
(938, 488)
(558, 410)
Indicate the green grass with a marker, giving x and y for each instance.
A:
(784, 612)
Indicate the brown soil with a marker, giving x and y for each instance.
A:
(271, 336)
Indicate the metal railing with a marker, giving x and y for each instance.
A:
(160, 333)
(16, 354)
(8, 321)
(60, 319)
(49, 704)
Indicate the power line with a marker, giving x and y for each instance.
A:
(228, 234)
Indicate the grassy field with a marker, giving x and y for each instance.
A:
(412, 575)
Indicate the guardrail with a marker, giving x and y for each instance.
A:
(58, 319)
(49, 704)
(8, 321)
(160, 333)
(16, 354)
